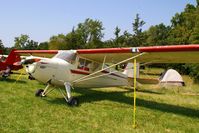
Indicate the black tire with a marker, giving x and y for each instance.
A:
(73, 101)
(39, 92)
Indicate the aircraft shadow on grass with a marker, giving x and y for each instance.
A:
(90, 95)
(8, 80)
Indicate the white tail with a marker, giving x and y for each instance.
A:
(129, 70)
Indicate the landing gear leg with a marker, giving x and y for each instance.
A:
(72, 101)
(43, 93)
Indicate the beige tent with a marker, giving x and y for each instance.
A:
(171, 78)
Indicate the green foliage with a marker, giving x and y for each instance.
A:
(31, 45)
(43, 46)
(194, 38)
(23, 42)
(57, 42)
(138, 37)
(194, 71)
(1, 45)
(87, 35)
(6, 50)
(184, 26)
(91, 33)
(185, 30)
(117, 31)
(117, 36)
(197, 1)
(158, 35)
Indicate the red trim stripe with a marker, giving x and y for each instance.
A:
(37, 51)
(86, 73)
(173, 48)
(79, 72)
(104, 50)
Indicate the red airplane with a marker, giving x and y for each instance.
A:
(12, 62)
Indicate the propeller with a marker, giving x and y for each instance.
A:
(26, 61)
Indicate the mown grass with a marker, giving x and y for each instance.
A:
(101, 110)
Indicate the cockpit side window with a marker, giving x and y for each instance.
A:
(81, 63)
(95, 66)
(84, 64)
(69, 56)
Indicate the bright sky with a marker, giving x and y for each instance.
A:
(40, 19)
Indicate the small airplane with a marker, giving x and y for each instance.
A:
(9, 63)
(96, 67)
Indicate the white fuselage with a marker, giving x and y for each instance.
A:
(57, 71)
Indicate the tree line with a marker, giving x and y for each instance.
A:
(184, 29)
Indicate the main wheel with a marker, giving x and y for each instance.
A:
(73, 101)
(39, 92)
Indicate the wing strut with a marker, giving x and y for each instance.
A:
(87, 76)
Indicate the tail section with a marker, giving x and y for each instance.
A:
(129, 70)
(12, 58)
(11, 63)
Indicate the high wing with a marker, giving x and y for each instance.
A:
(40, 53)
(152, 54)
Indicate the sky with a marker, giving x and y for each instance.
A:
(41, 19)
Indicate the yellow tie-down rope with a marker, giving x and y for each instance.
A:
(134, 96)
(16, 80)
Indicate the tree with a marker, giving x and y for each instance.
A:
(31, 45)
(185, 30)
(117, 31)
(194, 37)
(87, 35)
(1, 45)
(158, 34)
(43, 46)
(197, 1)
(137, 25)
(23, 42)
(57, 42)
(126, 39)
(91, 33)
(138, 37)
(74, 40)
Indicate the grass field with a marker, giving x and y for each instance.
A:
(101, 110)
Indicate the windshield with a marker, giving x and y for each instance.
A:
(68, 56)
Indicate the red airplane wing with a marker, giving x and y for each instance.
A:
(41, 53)
(153, 54)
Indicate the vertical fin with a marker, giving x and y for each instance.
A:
(129, 70)
(12, 58)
